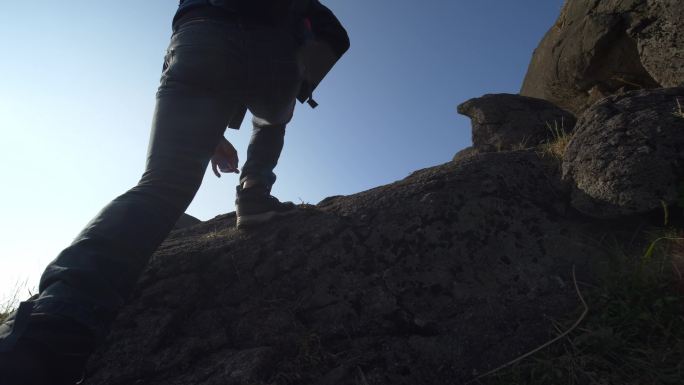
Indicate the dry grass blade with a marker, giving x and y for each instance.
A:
(9, 303)
(362, 376)
(547, 344)
(559, 141)
(679, 112)
(648, 255)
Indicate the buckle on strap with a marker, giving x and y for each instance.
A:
(311, 102)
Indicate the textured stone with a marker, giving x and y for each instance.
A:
(452, 271)
(627, 154)
(464, 154)
(602, 47)
(661, 42)
(511, 122)
(186, 220)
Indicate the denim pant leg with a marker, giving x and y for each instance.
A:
(274, 79)
(263, 153)
(90, 280)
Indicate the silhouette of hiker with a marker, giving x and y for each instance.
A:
(225, 57)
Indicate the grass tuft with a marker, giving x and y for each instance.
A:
(523, 145)
(9, 303)
(634, 333)
(562, 19)
(560, 139)
(679, 112)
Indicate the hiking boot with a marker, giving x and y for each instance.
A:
(255, 205)
(48, 350)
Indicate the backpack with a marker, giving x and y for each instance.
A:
(276, 11)
(308, 19)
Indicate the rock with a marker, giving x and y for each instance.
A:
(660, 41)
(627, 154)
(186, 220)
(599, 48)
(464, 154)
(454, 270)
(244, 367)
(513, 122)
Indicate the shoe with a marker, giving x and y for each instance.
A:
(255, 205)
(48, 350)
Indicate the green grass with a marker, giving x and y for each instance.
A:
(633, 333)
(560, 139)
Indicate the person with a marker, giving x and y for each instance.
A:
(225, 57)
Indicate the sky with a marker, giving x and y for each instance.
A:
(78, 80)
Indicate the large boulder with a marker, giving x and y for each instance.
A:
(627, 154)
(602, 47)
(660, 41)
(451, 272)
(511, 122)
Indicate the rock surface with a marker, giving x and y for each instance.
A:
(448, 273)
(502, 122)
(602, 47)
(186, 220)
(464, 154)
(660, 41)
(627, 154)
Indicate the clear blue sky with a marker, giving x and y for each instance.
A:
(77, 95)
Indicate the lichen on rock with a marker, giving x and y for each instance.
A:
(504, 122)
(598, 48)
(627, 154)
(453, 270)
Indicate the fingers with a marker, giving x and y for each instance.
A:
(233, 162)
(230, 169)
(223, 166)
(225, 158)
(214, 168)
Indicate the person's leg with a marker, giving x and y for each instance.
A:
(263, 153)
(91, 279)
(85, 286)
(274, 81)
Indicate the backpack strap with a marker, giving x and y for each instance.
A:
(228, 5)
(299, 8)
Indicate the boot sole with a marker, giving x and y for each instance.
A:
(246, 221)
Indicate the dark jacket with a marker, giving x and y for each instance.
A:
(324, 25)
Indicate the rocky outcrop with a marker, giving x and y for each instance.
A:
(627, 154)
(464, 154)
(660, 41)
(429, 280)
(502, 122)
(444, 275)
(602, 47)
(186, 220)
(449, 273)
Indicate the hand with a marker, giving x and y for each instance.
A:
(225, 158)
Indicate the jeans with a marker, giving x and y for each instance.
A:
(212, 69)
